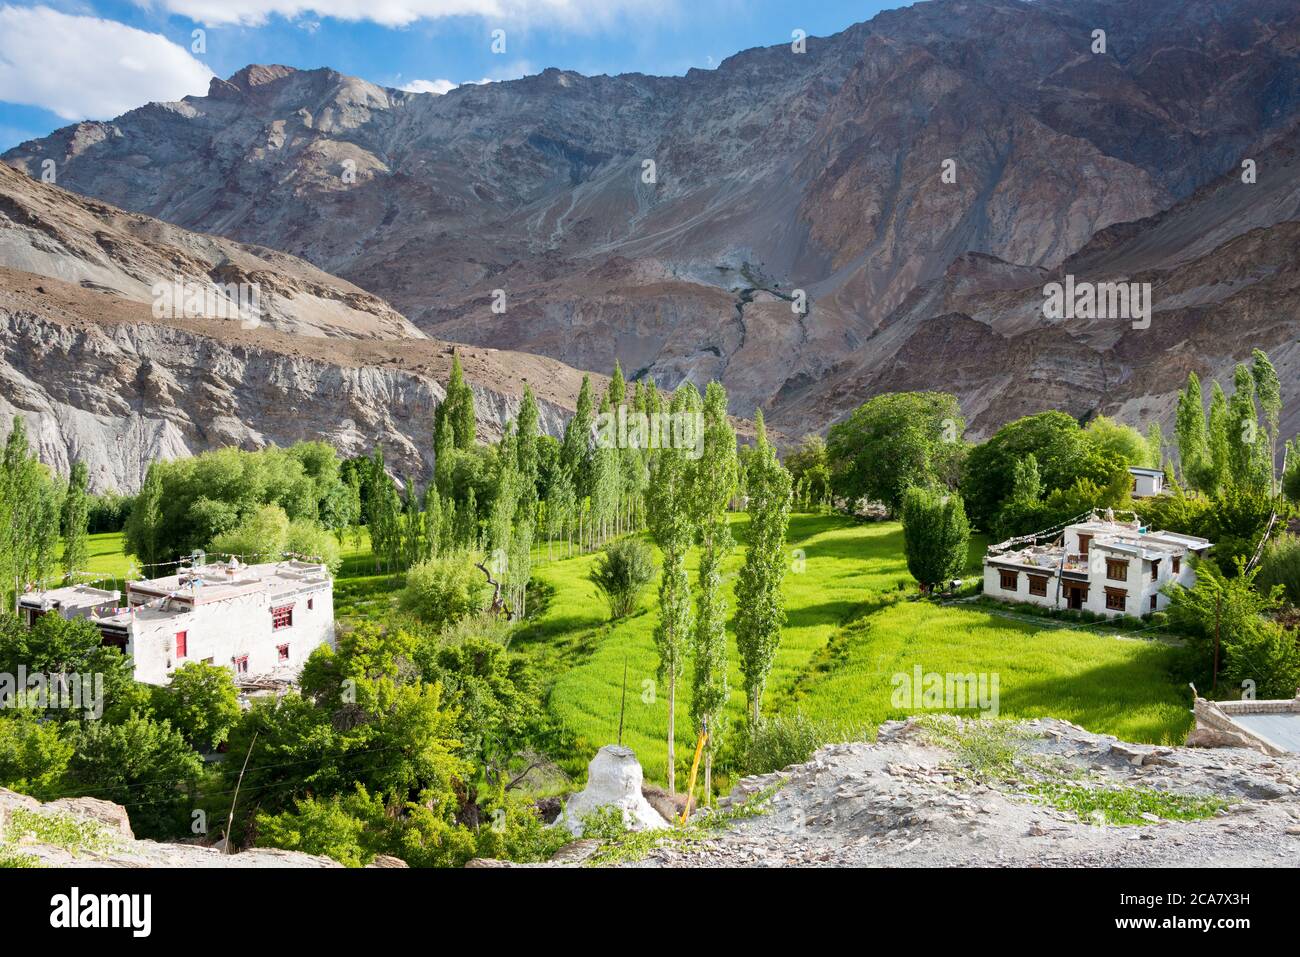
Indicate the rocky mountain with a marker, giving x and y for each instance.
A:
(669, 221)
(100, 377)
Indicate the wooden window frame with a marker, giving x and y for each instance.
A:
(1116, 594)
(1111, 565)
(281, 617)
(1003, 574)
(1037, 582)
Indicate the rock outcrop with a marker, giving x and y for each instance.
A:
(909, 801)
(100, 836)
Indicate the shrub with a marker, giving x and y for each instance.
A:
(312, 540)
(782, 740)
(444, 590)
(621, 573)
(201, 703)
(1281, 566)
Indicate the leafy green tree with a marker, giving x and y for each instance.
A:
(201, 703)
(1218, 470)
(1024, 511)
(58, 646)
(671, 524)
(444, 590)
(457, 410)
(576, 450)
(713, 478)
(262, 536)
(75, 519)
(528, 432)
(1231, 611)
(1268, 389)
(894, 442)
(1060, 447)
(29, 514)
(34, 753)
(1280, 567)
(1291, 476)
(1120, 442)
(621, 573)
(760, 607)
(1190, 434)
(142, 764)
(936, 536)
(1246, 464)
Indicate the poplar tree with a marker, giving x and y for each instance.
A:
(670, 513)
(576, 450)
(714, 478)
(75, 519)
(1189, 433)
(1218, 443)
(457, 408)
(760, 608)
(527, 431)
(1269, 390)
(1243, 428)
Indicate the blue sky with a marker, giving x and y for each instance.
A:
(65, 60)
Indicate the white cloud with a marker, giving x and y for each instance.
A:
(437, 87)
(85, 67)
(399, 13)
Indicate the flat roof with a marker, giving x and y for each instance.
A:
(1281, 728)
(68, 596)
(1136, 470)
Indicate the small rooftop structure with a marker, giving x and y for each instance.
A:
(1270, 726)
(70, 601)
(1147, 483)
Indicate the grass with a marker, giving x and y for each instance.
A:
(1124, 805)
(1106, 684)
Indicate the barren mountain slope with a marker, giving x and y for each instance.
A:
(98, 378)
(778, 171)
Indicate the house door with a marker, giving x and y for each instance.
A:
(1075, 596)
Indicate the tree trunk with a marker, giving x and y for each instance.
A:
(672, 732)
(708, 774)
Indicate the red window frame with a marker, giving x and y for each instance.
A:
(241, 664)
(281, 617)
(283, 651)
(311, 603)
(182, 644)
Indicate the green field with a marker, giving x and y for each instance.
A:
(852, 625)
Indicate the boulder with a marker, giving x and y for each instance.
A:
(614, 779)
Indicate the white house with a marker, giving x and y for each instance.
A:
(1147, 482)
(257, 620)
(1107, 567)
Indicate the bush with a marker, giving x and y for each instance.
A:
(312, 540)
(1281, 566)
(201, 703)
(444, 590)
(621, 573)
(782, 740)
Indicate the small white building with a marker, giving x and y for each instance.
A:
(1107, 567)
(257, 620)
(1147, 483)
(70, 601)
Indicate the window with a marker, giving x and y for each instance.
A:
(182, 641)
(1153, 602)
(241, 665)
(1038, 585)
(1178, 564)
(1116, 599)
(311, 603)
(1155, 570)
(281, 617)
(284, 652)
(1116, 570)
(1084, 542)
(1010, 580)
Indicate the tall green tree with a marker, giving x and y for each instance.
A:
(671, 524)
(936, 536)
(1218, 471)
(893, 442)
(1189, 433)
(760, 608)
(457, 409)
(76, 520)
(576, 450)
(1268, 388)
(527, 432)
(714, 477)
(29, 514)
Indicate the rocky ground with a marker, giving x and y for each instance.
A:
(906, 801)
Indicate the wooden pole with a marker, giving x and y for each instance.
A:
(1218, 618)
(230, 821)
(695, 766)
